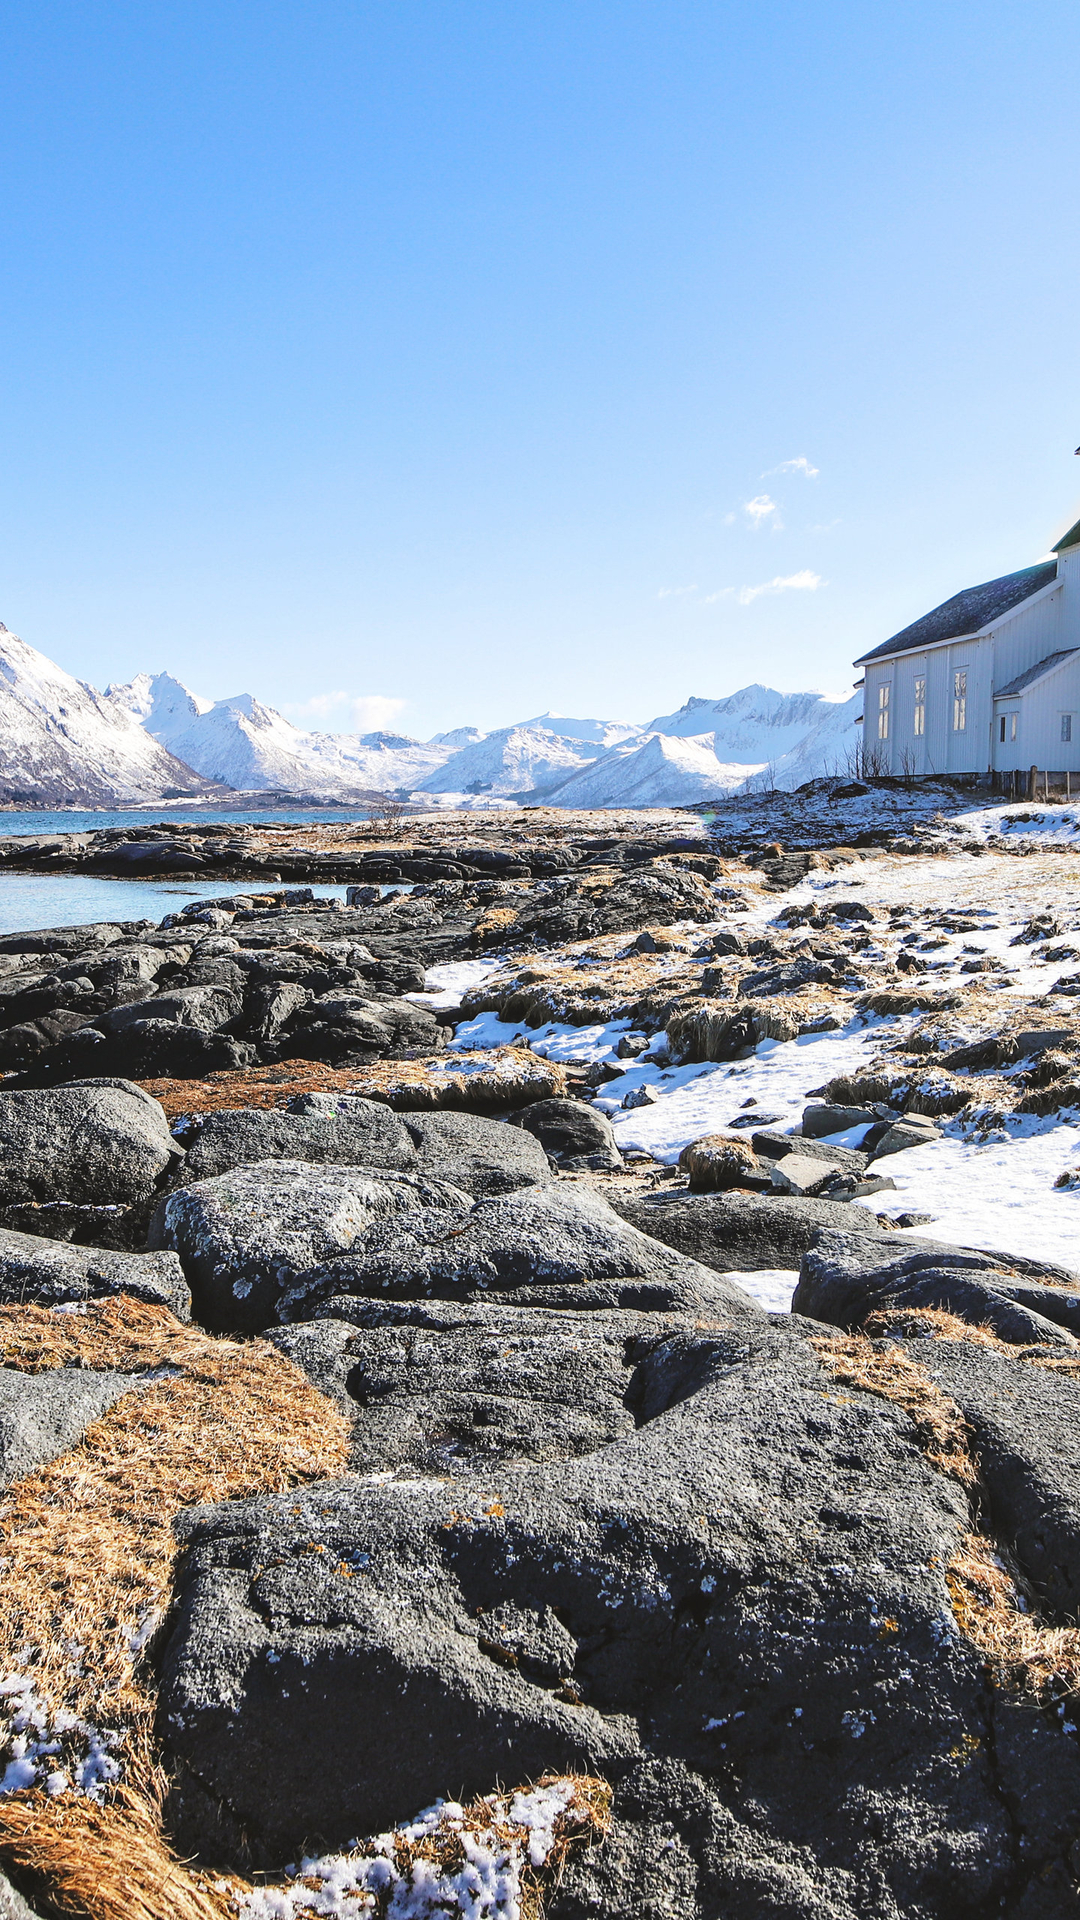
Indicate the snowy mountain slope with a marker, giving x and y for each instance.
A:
(664, 771)
(598, 733)
(759, 726)
(458, 737)
(63, 744)
(254, 748)
(522, 759)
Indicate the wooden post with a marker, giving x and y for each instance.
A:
(1068, 794)
(1033, 781)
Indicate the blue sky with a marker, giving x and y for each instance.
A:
(485, 358)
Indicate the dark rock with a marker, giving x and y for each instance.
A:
(339, 1651)
(49, 1273)
(843, 1278)
(204, 1008)
(820, 1121)
(738, 1232)
(475, 1384)
(483, 1157)
(911, 1131)
(245, 1236)
(324, 1128)
(89, 1142)
(42, 1414)
(774, 1146)
(571, 1132)
(555, 1246)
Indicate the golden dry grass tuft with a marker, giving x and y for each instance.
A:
(995, 1614)
(87, 1553)
(942, 1432)
(111, 1862)
(934, 1323)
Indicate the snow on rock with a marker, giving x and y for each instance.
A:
(449, 1860)
(63, 744)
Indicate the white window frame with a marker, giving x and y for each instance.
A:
(959, 705)
(919, 723)
(1066, 729)
(884, 701)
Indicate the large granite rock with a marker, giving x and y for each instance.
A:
(739, 1232)
(844, 1277)
(738, 1611)
(50, 1273)
(97, 1142)
(42, 1414)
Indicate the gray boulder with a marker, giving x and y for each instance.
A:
(481, 1156)
(458, 1388)
(49, 1273)
(12, 1904)
(206, 1008)
(739, 1232)
(245, 1237)
(103, 1141)
(844, 1277)
(738, 1612)
(339, 1132)
(549, 1246)
(41, 1414)
(571, 1132)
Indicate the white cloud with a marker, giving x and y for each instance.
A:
(801, 465)
(675, 593)
(759, 508)
(342, 712)
(803, 582)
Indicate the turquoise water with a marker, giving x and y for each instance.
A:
(32, 900)
(74, 820)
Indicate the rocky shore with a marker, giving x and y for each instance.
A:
(412, 1500)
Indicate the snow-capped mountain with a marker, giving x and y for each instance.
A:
(524, 759)
(660, 771)
(253, 748)
(794, 735)
(595, 733)
(63, 744)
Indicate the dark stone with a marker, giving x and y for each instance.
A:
(570, 1131)
(42, 1414)
(555, 1246)
(105, 1142)
(843, 1278)
(738, 1232)
(481, 1156)
(324, 1128)
(49, 1273)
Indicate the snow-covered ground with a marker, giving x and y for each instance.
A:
(996, 1192)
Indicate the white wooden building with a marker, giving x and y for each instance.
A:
(989, 682)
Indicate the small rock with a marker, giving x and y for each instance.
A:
(641, 1097)
(799, 1174)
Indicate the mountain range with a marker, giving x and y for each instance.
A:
(64, 744)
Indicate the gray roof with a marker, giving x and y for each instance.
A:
(1034, 673)
(967, 612)
(1070, 539)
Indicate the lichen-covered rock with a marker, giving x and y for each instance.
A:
(51, 1273)
(718, 1161)
(92, 1142)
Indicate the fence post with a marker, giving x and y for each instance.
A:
(1033, 781)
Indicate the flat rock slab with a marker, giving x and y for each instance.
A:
(99, 1142)
(42, 1414)
(49, 1273)
(845, 1277)
(325, 1131)
(737, 1233)
(559, 1246)
(738, 1611)
(483, 1157)
(244, 1237)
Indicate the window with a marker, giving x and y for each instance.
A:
(920, 705)
(1013, 718)
(1001, 736)
(884, 694)
(1066, 726)
(959, 700)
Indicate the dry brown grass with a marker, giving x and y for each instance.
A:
(994, 1613)
(941, 1430)
(249, 1087)
(934, 1323)
(87, 1550)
